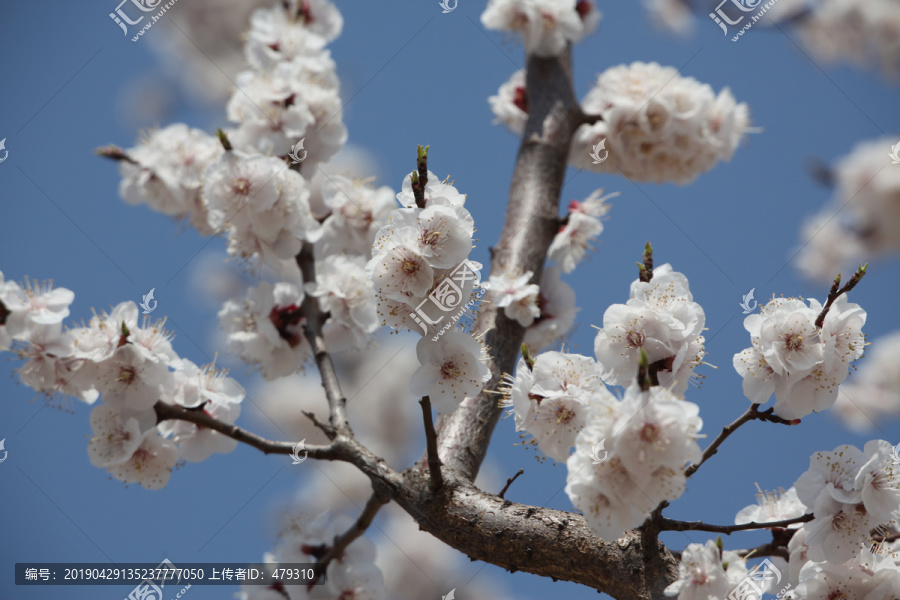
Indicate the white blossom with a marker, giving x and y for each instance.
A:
(517, 297)
(657, 125)
(510, 105)
(556, 302)
(452, 369)
(166, 171)
(150, 465)
(546, 26)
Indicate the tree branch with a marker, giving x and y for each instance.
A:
(336, 551)
(315, 318)
(673, 525)
(770, 549)
(542, 541)
(509, 482)
(835, 292)
(753, 414)
(531, 222)
(434, 462)
(199, 418)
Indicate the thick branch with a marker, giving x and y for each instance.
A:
(753, 414)
(673, 525)
(542, 541)
(336, 551)
(532, 219)
(315, 318)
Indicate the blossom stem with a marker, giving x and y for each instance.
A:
(835, 292)
(675, 525)
(341, 542)
(752, 414)
(509, 481)
(434, 461)
(166, 412)
(312, 328)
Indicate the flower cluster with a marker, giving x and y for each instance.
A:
(873, 393)
(546, 26)
(657, 125)
(661, 319)
(421, 270)
(800, 363)
(581, 226)
(291, 93)
(645, 439)
(852, 494)
(706, 572)
(353, 574)
(863, 219)
(862, 32)
(650, 436)
(166, 172)
(131, 366)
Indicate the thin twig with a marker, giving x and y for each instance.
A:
(434, 461)
(419, 177)
(509, 482)
(835, 292)
(770, 549)
(753, 414)
(336, 551)
(674, 525)
(166, 411)
(314, 319)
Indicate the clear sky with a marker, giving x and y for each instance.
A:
(412, 76)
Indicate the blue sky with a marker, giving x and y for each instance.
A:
(415, 76)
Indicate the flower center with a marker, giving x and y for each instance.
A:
(793, 341)
(241, 186)
(450, 370)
